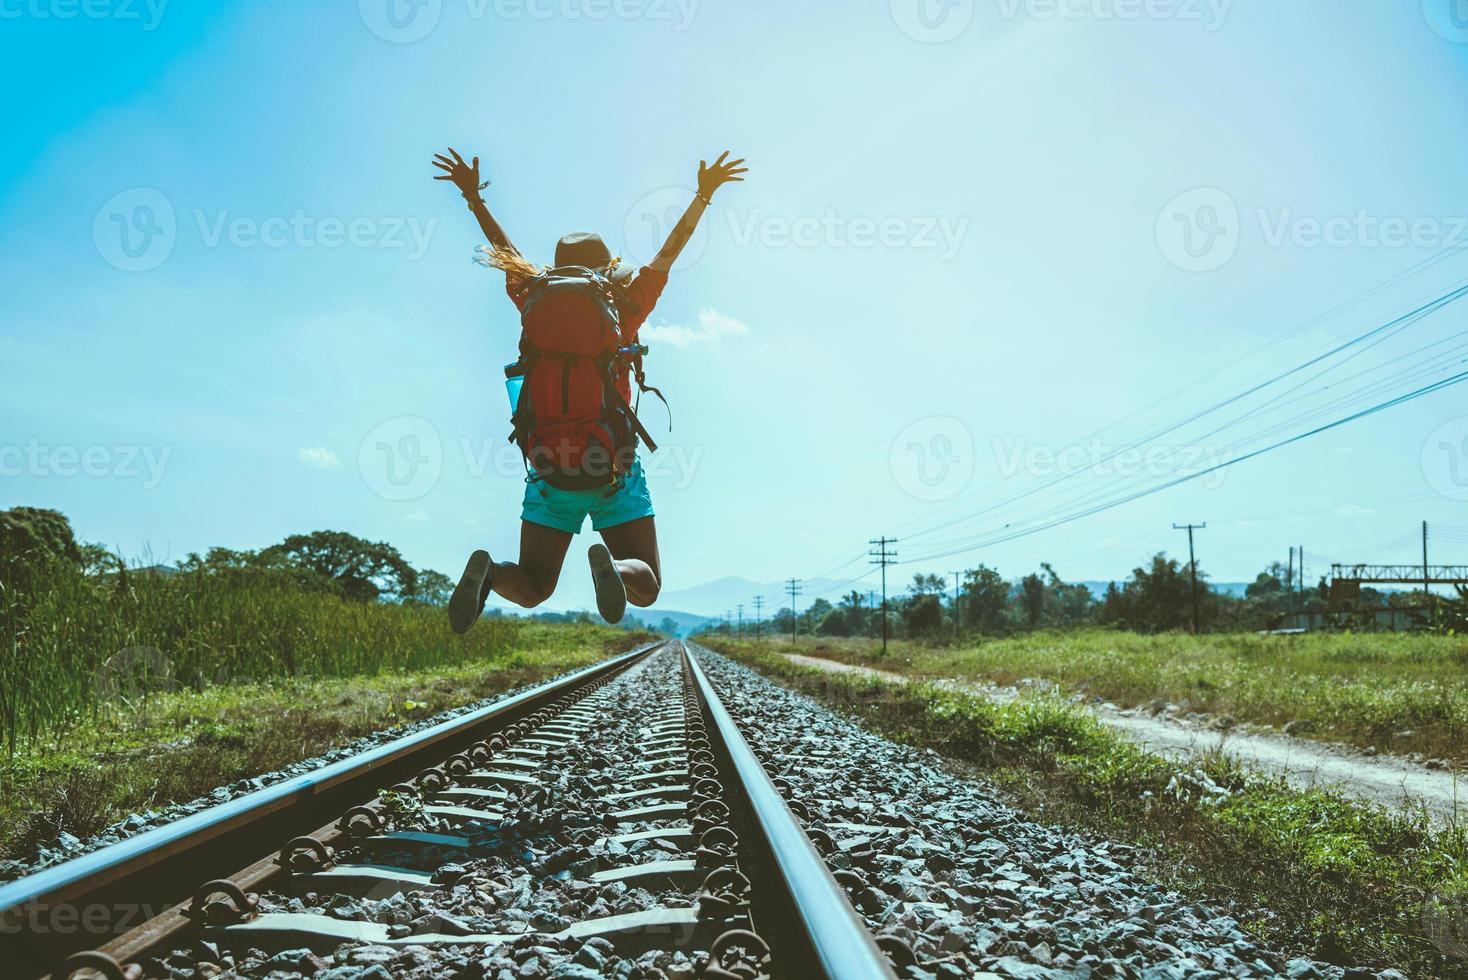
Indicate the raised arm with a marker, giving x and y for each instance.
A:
(710, 179)
(465, 177)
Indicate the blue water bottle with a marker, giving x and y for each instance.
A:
(514, 381)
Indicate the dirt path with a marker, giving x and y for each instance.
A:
(1388, 780)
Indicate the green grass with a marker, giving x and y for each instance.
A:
(76, 647)
(178, 745)
(1398, 692)
(1307, 871)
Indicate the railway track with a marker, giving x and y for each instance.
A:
(614, 823)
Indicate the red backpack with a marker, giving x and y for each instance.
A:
(573, 422)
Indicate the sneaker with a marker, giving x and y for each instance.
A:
(611, 594)
(467, 602)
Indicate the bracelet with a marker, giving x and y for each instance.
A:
(707, 202)
(472, 201)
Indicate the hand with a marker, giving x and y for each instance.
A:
(464, 176)
(712, 178)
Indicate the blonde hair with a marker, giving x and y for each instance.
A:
(516, 267)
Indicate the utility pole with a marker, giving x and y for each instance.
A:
(759, 612)
(1302, 583)
(793, 587)
(957, 599)
(1193, 564)
(881, 556)
(1426, 576)
(741, 620)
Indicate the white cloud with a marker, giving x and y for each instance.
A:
(318, 457)
(711, 326)
(416, 517)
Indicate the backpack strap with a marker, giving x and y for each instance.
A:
(620, 403)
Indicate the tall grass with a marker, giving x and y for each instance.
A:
(72, 644)
(1406, 692)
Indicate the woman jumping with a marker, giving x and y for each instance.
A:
(579, 351)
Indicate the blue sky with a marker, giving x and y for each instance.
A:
(237, 306)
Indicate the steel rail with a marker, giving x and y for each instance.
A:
(839, 943)
(193, 845)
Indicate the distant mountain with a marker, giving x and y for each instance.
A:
(688, 623)
(712, 600)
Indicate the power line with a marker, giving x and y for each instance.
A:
(1166, 485)
(1411, 316)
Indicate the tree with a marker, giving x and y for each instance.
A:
(837, 622)
(669, 626)
(927, 585)
(814, 615)
(923, 615)
(1158, 598)
(1069, 604)
(985, 594)
(364, 569)
(432, 589)
(32, 538)
(1032, 596)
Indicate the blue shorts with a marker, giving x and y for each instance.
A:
(567, 510)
